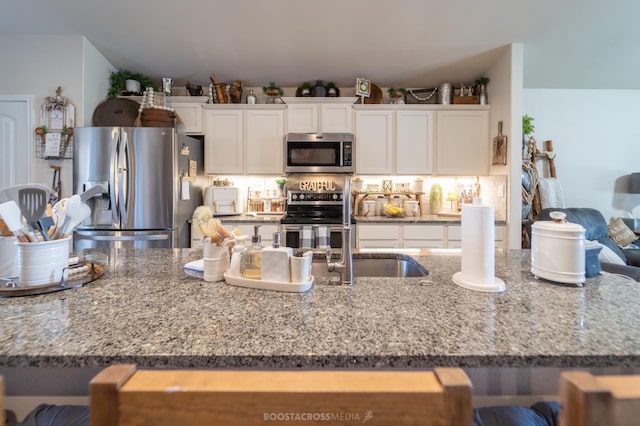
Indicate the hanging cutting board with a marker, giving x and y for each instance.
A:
(499, 147)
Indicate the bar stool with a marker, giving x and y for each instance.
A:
(588, 400)
(122, 395)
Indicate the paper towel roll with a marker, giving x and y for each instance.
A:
(478, 249)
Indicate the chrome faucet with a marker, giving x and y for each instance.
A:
(345, 265)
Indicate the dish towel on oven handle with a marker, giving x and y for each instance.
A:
(307, 237)
(323, 237)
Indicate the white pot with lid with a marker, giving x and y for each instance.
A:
(558, 250)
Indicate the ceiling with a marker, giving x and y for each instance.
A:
(576, 44)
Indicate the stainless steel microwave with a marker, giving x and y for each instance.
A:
(319, 153)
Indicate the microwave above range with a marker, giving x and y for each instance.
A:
(319, 153)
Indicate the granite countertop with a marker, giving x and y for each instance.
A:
(428, 219)
(147, 311)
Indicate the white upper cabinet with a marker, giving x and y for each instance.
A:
(265, 142)
(395, 142)
(336, 118)
(189, 109)
(302, 118)
(462, 143)
(415, 132)
(319, 118)
(374, 142)
(223, 141)
(244, 140)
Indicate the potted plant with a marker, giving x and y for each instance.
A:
(527, 125)
(272, 89)
(281, 182)
(119, 78)
(306, 89)
(481, 89)
(319, 90)
(332, 90)
(396, 92)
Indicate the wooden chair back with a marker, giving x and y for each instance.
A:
(2, 419)
(121, 395)
(588, 400)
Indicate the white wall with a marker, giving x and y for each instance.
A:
(95, 80)
(37, 65)
(505, 98)
(596, 136)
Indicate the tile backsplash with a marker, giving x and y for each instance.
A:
(492, 189)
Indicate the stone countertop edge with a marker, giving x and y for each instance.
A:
(147, 310)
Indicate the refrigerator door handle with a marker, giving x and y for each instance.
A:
(113, 180)
(154, 237)
(123, 180)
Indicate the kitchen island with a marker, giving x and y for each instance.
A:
(147, 310)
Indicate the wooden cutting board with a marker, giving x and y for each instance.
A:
(499, 147)
(116, 112)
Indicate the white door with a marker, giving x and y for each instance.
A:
(15, 140)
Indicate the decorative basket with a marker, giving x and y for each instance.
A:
(421, 96)
(156, 117)
(228, 93)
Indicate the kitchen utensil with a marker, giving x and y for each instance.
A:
(72, 207)
(83, 214)
(58, 212)
(500, 147)
(56, 185)
(10, 212)
(33, 203)
(46, 223)
(12, 192)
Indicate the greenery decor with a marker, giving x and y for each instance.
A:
(272, 89)
(482, 81)
(527, 125)
(118, 78)
(396, 92)
(435, 198)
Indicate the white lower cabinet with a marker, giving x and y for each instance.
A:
(379, 236)
(424, 236)
(454, 236)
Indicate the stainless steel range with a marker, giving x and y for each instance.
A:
(314, 201)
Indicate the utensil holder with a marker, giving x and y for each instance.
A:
(43, 262)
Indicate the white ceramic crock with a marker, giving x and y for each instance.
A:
(43, 262)
(558, 250)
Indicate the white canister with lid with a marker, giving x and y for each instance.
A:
(411, 208)
(558, 250)
(368, 208)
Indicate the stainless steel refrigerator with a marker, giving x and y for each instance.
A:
(145, 200)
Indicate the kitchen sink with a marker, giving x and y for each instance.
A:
(369, 267)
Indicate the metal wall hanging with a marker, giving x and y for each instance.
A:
(57, 120)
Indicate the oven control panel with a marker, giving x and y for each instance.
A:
(295, 196)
